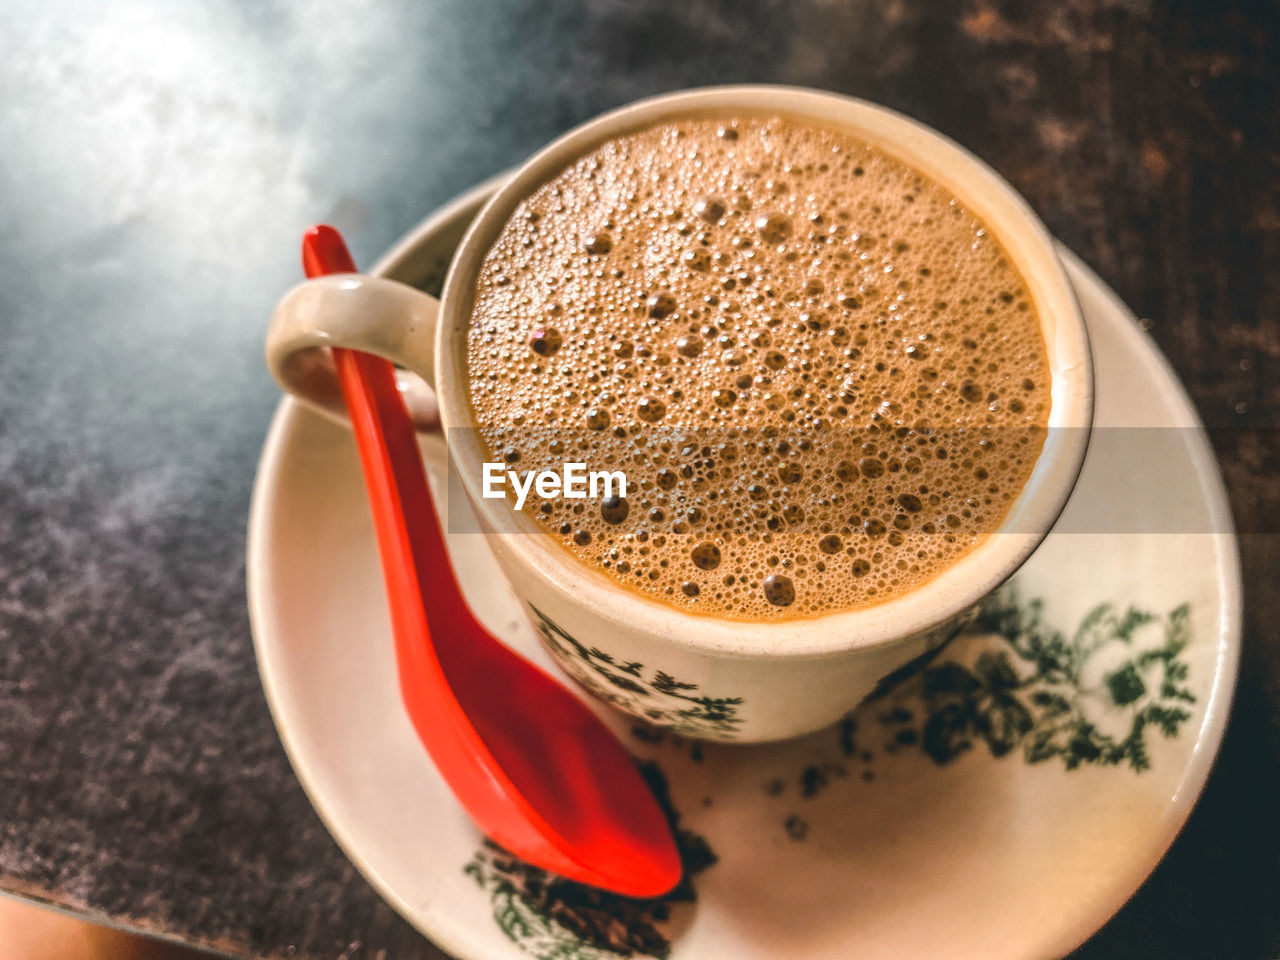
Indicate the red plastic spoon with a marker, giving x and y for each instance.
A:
(536, 770)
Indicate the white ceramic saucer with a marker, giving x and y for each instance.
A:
(1001, 803)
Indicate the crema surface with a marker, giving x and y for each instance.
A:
(822, 376)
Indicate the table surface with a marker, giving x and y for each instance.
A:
(157, 163)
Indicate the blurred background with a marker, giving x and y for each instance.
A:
(157, 162)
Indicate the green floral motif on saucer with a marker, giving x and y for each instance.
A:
(1046, 692)
(551, 918)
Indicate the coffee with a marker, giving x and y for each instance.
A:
(824, 380)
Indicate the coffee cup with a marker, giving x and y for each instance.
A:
(703, 676)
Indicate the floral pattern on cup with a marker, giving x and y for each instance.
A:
(663, 700)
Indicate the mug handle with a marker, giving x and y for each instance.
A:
(359, 312)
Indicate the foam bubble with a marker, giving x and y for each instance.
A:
(821, 375)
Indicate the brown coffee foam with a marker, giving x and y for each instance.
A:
(800, 350)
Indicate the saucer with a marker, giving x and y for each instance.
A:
(1002, 801)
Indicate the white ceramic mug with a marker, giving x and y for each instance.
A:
(698, 675)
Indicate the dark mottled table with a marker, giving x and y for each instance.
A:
(156, 163)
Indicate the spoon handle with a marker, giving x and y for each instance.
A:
(408, 530)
